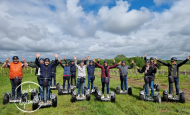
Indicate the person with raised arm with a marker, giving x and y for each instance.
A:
(123, 73)
(149, 72)
(66, 73)
(105, 73)
(81, 75)
(46, 69)
(173, 73)
(73, 70)
(90, 69)
(15, 71)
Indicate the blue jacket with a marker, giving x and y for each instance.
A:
(90, 69)
(72, 66)
(66, 69)
(45, 70)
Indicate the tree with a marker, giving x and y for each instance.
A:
(121, 56)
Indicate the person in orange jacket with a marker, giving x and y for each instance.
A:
(15, 70)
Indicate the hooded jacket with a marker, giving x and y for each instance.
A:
(150, 72)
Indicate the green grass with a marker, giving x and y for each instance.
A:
(125, 104)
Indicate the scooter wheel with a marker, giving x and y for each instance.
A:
(182, 98)
(88, 97)
(157, 88)
(141, 97)
(59, 91)
(113, 99)
(73, 99)
(117, 90)
(32, 95)
(98, 97)
(157, 99)
(165, 97)
(54, 102)
(5, 99)
(130, 91)
(34, 106)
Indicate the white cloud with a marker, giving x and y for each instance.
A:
(160, 2)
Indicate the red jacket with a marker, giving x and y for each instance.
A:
(108, 69)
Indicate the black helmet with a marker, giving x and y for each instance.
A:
(46, 59)
(90, 61)
(52, 61)
(66, 62)
(105, 61)
(15, 57)
(152, 58)
(123, 61)
(173, 59)
(147, 61)
(41, 59)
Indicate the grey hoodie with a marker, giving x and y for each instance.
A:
(124, 69)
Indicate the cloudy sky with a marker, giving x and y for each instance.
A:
(98, 28)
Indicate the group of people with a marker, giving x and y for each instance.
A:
(45, 69)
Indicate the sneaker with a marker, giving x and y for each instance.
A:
(102, 97)
(48, 102)
(108, 96)
(83, 96)
(18, 98)
(170, 96)
(78, 96)
(92, 90)
(177, 97)
(41, 103)
(13, 98)
(121, 91)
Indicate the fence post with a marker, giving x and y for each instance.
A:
(185, 71)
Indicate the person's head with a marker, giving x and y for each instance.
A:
(67, 63)
(72, 61)
(41, 60)
(151, 59)
(15, 59)
(52, 61)
(173, 60)
(123, 63)
(81, 63)
(105, 63)
(46, 61)
(90, 62)
(147, 62)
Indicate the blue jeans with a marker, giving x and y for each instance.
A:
(79, 86)
(125, 82)
(176, 80)
(47, 90)
(90, 81)
(103, 85)
(151, 83)
(64, 80)
(73, 76)
(14, 87)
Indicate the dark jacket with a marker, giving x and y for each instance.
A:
(152, 64)
(54, 68)
(72, 66)
(150, 73)
(103, 70)
(45, 70)
(34, 66)
(173, 70)
(90, 68)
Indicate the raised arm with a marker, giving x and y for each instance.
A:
(97, 64)
(87, 61)
(114, 66)
(75, 58)
(6, 62)
(140, 71)
(25, 63)
(56, 60)
(37, 57)
(183, 62)
(164, 63)
(145, 57)
(61, 63)
(130, 67)
(32, 66)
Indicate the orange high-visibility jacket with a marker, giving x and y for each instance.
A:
(15, 70)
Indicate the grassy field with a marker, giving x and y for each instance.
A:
(125, 104)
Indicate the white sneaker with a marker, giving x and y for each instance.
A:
(78, 96)
(121, 91)
(92, 90)
(83, 96)
(102, 97)
(108, 96)
(170, 96)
